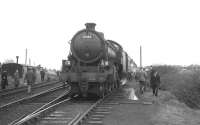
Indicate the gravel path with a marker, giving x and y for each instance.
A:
(148, 110)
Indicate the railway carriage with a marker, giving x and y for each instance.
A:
(12, 67)
(94, 65)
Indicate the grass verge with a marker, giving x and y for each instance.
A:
(183, 83)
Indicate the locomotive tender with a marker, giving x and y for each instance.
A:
(95, 65)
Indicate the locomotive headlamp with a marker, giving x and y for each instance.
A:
(102, 63)
(106, 63)
(67, 62)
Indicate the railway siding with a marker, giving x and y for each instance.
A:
(24, 88)
(19, 109)
(61, 112)
(75, 112)
(8, 98)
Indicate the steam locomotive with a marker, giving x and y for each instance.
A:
(95, 65)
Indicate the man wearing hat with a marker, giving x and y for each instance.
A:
(30, 78)
(155, 81)
(4, 80)
(16, 78)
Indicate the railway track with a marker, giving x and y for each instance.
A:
(12, 96)
(20, 108)
(24, 88)
(72, 112)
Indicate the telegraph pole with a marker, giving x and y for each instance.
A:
(17, 57)
(29, 61)
(26, 57)
(140, 56)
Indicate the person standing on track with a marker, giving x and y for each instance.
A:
(154, 82)
(16, 78)
(4, 80)
(30, 78)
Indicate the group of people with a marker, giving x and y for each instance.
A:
(30, 78)
(154, 80)
(4, 79)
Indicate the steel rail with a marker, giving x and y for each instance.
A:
(11, 89)
(30, 97)
(42, 110)
(23, 88)
(28, 119)
(79, 120)
(53, 101)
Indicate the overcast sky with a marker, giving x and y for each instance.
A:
(168, 30)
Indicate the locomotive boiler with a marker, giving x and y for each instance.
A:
(95, 65)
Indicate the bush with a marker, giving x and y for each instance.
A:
(184, 84)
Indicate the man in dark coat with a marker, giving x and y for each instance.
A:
(155, 82)
(30, 78)
(4, 80)
(16, 78)
(42, 74)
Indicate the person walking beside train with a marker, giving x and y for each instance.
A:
(154, 81)
(30, 79)
(142, 80)
(4, 80)
(16, 78)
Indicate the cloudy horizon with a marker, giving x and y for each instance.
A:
(168, 31)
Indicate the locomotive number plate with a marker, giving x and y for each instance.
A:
(87, 37)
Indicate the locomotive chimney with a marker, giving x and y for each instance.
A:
(90, 26)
